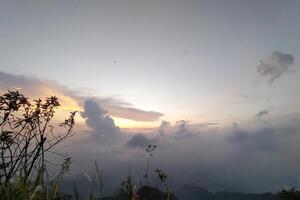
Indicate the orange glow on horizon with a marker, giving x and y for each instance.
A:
(127, 123)
(68, 104)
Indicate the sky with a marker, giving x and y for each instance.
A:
(226, 72)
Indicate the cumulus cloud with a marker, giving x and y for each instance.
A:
(103, 126)
(163, 126)
(274, 66)
(165, 132)
(182, 130)
(72, 99)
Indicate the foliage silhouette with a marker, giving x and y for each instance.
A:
(291, 194)
(27, 134)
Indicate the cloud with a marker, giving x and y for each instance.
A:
(163, 126)
(262, 113)
(103, 127)
(252, 141)
(261, 157)
(257, 157)
(141, 141)
(272, 67)
(182, 126)
(182, 130)
(73, 99)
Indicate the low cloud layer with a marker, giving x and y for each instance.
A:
(274, 66)
(141, 140)
(258, 157)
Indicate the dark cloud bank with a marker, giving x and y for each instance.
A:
(258, 157)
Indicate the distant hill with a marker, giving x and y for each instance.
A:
(186, 192)
(242, 196)
(192, 192)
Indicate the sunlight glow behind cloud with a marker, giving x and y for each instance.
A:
(70, 100)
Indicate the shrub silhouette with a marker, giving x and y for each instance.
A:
(27, 134)
(291, 194)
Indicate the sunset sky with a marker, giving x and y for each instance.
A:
(192, 60)
(213, 64)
